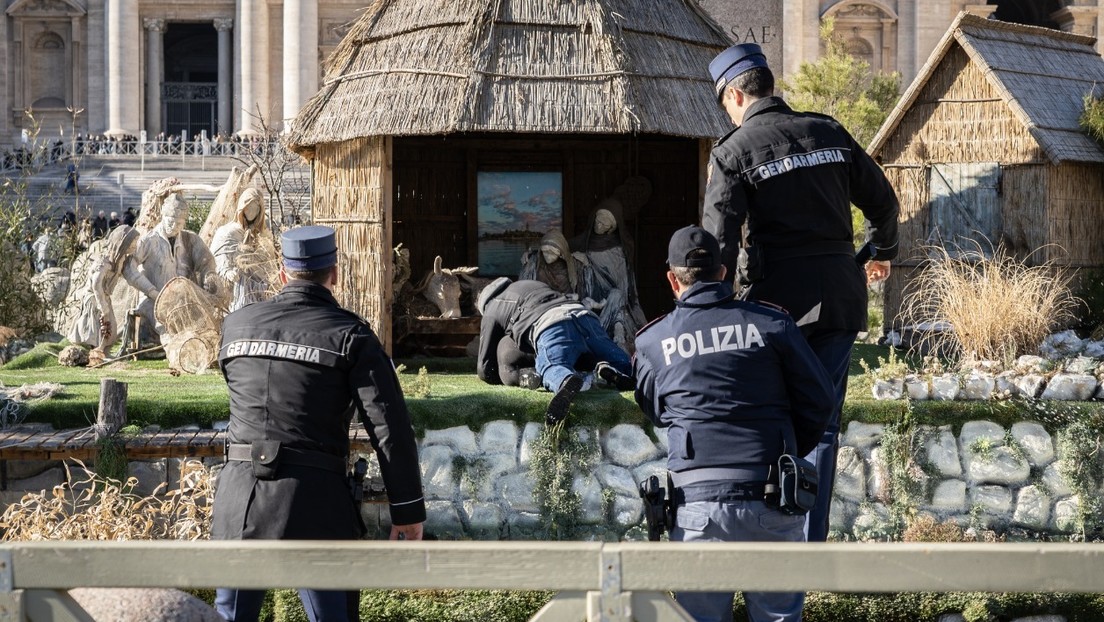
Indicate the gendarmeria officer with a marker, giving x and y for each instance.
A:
(298, 367)
(736, 385)
(793, 176)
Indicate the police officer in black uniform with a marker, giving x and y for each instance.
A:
(298, 367)
(792, 177)
(736, 385)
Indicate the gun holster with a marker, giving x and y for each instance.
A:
(265, 458)
(792, 485)
(356, 480)
(659, 512)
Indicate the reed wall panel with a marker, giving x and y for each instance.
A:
(353, 194)
(911, 185)
(1024, 209)
(960, 117)
(1076, 192)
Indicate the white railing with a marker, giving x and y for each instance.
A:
(596, 581)
(39, 156)
(201, 147)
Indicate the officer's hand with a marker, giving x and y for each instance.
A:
(876, 271)
(406, 532)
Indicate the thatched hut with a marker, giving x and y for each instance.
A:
(985, 145)
(430, 105)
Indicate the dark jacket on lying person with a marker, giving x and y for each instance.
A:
(519, 312)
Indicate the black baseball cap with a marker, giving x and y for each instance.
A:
(689, 239)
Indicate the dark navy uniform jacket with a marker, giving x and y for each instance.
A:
(792, 177)
(298, 366)
(734, 382)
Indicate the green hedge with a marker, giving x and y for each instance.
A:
(501, 606)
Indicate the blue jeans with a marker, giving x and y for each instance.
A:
(245, 605)
(833, 348)
(738, 521)
(560, 345)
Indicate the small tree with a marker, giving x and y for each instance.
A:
(23, 216)
(843, 86)
(1092, 117)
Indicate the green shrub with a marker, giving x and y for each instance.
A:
(1092, 117)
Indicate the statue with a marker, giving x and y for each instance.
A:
(606, 250)
(552, 263)
(96, 324)
(245, 254)
(166, 252)
(102, 305)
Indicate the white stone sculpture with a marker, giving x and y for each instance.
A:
(166, 252)
(245, 255)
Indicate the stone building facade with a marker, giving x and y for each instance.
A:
(121, 67)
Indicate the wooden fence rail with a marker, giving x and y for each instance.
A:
(606, 582)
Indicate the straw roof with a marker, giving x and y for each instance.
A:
(1042, 75)
(418, 67)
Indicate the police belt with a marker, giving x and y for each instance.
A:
(746, 473)
(742, 483)
(824, 247)
(241, 452)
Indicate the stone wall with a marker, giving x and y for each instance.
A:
(987, 477)
(478, 484)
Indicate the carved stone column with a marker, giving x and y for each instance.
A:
(123, 86)
(155, 73)
(300, 54)
(225, 123)
(248, 36)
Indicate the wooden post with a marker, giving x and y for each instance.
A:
(112, 413)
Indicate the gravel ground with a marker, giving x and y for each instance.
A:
(143, 605)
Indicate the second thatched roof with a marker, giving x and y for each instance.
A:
(418, 67)
(1042, 75)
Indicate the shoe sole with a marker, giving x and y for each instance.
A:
(561, 401)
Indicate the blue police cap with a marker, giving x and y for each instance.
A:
(689, 239)
(309, 248)
(733, 62)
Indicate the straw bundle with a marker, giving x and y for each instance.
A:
(580, 66)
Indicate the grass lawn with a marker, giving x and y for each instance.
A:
(456, 397)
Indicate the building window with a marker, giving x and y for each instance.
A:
(869, 31)
(861, 49)
(47, 75)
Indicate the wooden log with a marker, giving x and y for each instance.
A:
(111, 416)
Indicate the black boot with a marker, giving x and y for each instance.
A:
(561, 401)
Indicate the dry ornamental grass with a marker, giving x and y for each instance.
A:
(996, 306)
(100, 508)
